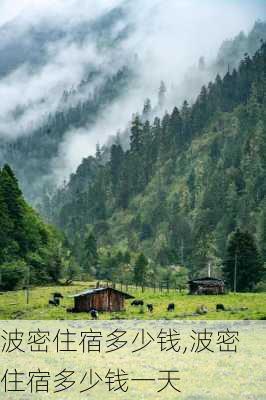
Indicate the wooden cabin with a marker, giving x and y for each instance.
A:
(101, 299)
(206, 285)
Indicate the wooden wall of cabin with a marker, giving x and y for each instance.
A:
(103, 301)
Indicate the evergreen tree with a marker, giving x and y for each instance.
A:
(186, 122)
(136, 156)
(116, 162)
(147, 152)
(124, 191)
(98, 154)
(90, 253)
(175, 129)
(161, 95)
(262, 232)
(147, 109)
(24, 238)
(140, 269)
(242, 266)
(6, 228)
(136, 138)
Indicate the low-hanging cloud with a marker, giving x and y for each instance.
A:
(39, 92)
(168, 36)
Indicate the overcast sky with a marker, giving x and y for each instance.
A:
(12, 8)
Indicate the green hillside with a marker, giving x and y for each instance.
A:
(31, 252)
(185, 184)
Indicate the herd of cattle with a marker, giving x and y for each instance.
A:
(55, 301)
(170, 307)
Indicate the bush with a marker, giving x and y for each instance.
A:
(12, 275)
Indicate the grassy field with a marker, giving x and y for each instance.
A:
(13, 305)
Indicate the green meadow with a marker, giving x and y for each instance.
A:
(13, 305)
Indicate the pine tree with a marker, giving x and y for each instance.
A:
(262, 232)
(186, 122)
(147, 109)
(242, 266)
(136, 138)
(147, 152)
(15, 204)
(175, 129)
(6, 227)
(116, 162)
(90, 253)
(140, 269)
(161, 95)
(137, 179)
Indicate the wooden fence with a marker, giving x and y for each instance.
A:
(160, 286)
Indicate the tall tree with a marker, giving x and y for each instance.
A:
(140, 269)
(116, 160)
(90, 253)
(242, 266)
(136, 139)
(162, 94)
(147, 109)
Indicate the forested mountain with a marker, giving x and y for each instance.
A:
(30, 251)
(33, 49)
(228, 57)
(232, 50)
(32, 154)
(185, 184)
(22, 43)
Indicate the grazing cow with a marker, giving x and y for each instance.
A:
(171, 307)
(54, 302)
(150, 307)
(57, 301)
(220, 307)
(94, 313)
(137, 303)
(58, 295)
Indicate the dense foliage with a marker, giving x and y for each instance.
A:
(187, 181)
(243, 265)
(32, 156)
(166, 198)
(30, 251)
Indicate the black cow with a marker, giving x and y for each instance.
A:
(150, 307)
(54, 302)
(137, 303)
(220, 307)
(58, 295)
(171, 307)
(94, 313)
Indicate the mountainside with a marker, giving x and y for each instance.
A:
(32, 132)
(232, 51)
(30, 251)
(31, 156)
(21, 43)
(37, 148)
(186, 182)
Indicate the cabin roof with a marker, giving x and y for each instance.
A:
(206, 280)
(91, 292)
